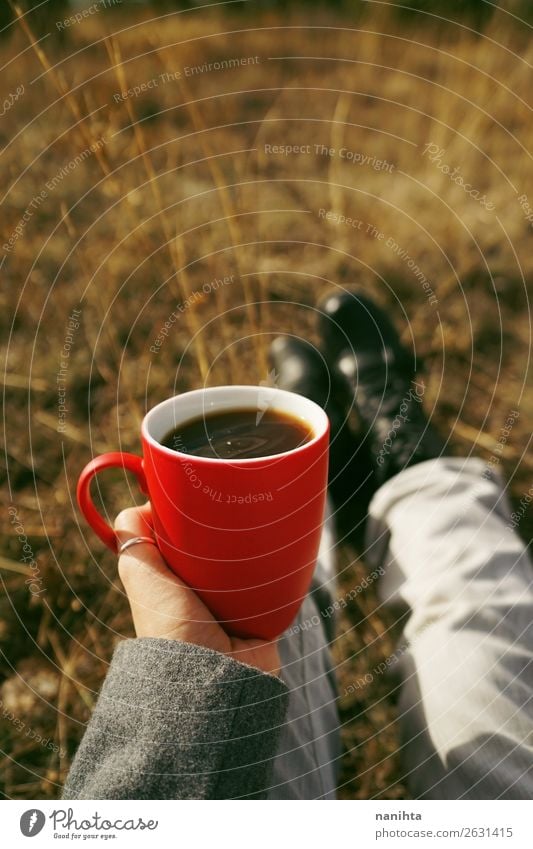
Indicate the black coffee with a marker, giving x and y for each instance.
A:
(239, 434)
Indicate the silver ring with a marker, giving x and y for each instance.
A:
(134, 541)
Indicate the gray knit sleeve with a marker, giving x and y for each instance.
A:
(179, 721)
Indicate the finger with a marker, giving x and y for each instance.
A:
(135, 521)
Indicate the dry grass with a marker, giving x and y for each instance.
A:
(183, 192)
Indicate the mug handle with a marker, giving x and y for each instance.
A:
(132, 463)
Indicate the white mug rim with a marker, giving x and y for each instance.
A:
(317, 420)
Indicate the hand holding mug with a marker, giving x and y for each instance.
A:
(164, 607)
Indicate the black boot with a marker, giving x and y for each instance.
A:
(300, 367)
(367, 357)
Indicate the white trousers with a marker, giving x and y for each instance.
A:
(441, 530)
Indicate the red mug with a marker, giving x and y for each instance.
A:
(244, 534)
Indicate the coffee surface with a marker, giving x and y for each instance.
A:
(239, 434)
